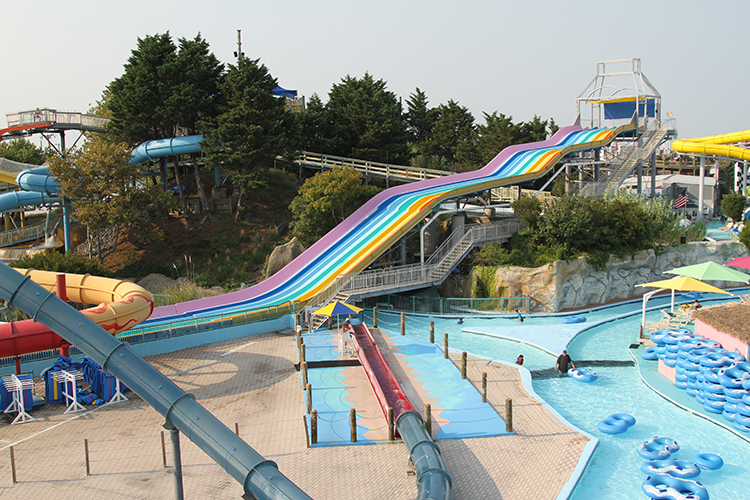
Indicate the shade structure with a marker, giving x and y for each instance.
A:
(683, 284)
(710, 271)
(335, 308)
(743, 262)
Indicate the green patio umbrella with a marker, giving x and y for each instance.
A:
(710, 271)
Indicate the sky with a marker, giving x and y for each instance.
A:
(517, 58)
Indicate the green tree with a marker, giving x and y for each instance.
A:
(143, 102)
(528, 209)
(314, 127)
(325, 200)
(100, 181)
(496, 134)
(732, 205)
(366, 121)
(253, 127)
(454, 125)
(420, 118)
(22, 151)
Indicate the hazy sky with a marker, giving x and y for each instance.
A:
(519, 58)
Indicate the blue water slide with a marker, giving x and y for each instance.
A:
(258, 476)
(151, 150)
(17, 199)
(38, 180)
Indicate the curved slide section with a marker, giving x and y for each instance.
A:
(373, 228)
(433, 480)
(258, 476)
(151, 150)
(17, 199)
(715, 145)
(38, 180)
(121, 305)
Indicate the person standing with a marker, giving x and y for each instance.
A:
(561, 365)
(520, 316)
(519, 360)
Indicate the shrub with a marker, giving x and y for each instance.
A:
(72, 263)
(732, 205)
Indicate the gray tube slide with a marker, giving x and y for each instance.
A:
(259, 477)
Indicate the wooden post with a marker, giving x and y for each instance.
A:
(375, 317)
(300, 341)
(432, 332)
(428, 418)
(403, 323)
(163, 451)
(237, 428)
(308, 388)
(484, 387)
(391, 427)
(353, 424)
(314, 427)
(509, 415)
(445, 346)
(463, 365)
(302, 353)
(303, 366)
(13, 464)
(86, 453)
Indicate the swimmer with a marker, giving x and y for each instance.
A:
(519, 361)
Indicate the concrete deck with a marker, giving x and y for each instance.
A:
(252, 382)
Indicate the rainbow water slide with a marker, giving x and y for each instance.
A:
(377, 225)
(716, 145)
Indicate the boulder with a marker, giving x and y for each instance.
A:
(283, 255)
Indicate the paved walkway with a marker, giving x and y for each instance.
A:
(251, 382)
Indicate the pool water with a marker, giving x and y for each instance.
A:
(614, 469)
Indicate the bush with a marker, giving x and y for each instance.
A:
(732, 205)
(71, 263)
(528, 210)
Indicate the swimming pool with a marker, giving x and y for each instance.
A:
(614, 469)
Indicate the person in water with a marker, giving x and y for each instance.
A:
(520, 316)
(519, 361)
(561, 365)
(460, 321)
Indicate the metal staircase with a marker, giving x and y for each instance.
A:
(628, 160)
(414, 276)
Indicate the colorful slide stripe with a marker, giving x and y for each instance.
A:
(716, 145)
(365, 235)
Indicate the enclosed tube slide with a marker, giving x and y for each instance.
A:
(17, 199)
(382, 221)
(121, 306)
(258, 476)
(433, 480)
(715, 145)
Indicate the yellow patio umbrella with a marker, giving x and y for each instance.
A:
(681, 283)
(335, 308)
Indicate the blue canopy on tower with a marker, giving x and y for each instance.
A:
(281, 92)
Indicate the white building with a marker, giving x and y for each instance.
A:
(671, 186)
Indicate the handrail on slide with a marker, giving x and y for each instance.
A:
(258, 476)
(433, 480)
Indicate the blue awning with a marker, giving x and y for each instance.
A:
(281, 92)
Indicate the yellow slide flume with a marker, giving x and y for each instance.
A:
(716, 145)
(121, 304)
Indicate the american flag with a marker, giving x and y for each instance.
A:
(682, 200)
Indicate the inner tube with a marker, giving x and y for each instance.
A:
(673, 488)
(708, 461)
(583, 375)
(616, 423)
(574, 319)
(692, 295)
(649, 353)
(658, 448)
(675, 468)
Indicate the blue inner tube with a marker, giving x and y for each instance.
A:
(675, 468)
(574, 319)
(708, 461)
(673, 488)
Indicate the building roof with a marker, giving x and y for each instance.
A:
(731, 319)
(666, 180)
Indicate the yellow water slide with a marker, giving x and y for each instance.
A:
(716, 145)
(121, 305)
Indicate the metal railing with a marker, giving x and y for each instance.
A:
(440, 305)
(434, 271)
(70, 119)
(10, 238)
(370, 168)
